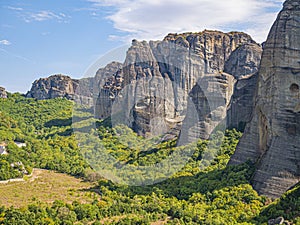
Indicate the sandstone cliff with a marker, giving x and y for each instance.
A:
(272, 139)
(83, 91)
(53, 87)
(207, 107)
(3, 93)
(243, 64)
(161, 74)
(162, 82)
(89, 88)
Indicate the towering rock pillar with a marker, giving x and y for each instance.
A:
(272, 138)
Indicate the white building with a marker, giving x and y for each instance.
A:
(20, 144)
(3, 149)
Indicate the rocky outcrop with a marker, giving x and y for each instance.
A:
(90, 87)
(272, 138)
(55, 86)
(3, 93)
(214, 47)
(242, 102)
(207, 107)
(162, 82)
(243, 64)
(84, 91)
(244, 61)
(154, 85)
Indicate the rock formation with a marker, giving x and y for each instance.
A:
(272, 138)
(53, 87)
(207, 107)
(243, 64)
(242, 102)
(244, 61)
(161, 82)
(154, 85)
(83, 91)
(3, 93)
(89, 88)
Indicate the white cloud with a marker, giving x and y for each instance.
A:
(63, 15)
(43, 16)
(5, 42)
(38, 16)
(144, 19)
(14, 8)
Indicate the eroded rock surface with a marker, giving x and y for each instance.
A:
(84, 91)
(207, 107)
(272, 139)
(53, 87)
(161, 82)
(155, 82)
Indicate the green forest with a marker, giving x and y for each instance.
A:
(201, 192)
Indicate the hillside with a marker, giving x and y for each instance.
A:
(214, 195)
(198, 128)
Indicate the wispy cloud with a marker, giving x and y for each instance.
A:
(6, 26)
(145, 19)
(39, 16)
(45, 15)
(92, 8)
(45, 33)
(14, 8)
(16, 56)
(5, 42)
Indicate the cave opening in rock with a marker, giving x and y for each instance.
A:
(294, 88)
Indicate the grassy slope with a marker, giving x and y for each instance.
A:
(46, 187)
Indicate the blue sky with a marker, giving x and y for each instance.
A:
(39, 38)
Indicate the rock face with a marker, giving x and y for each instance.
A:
(244, 61)
(158, 78)
(207, 107)
(3, 93)
(242, 102)
(89, 88)
(53, 87)
(83, 91)
(201, 76)
(272, 138)
(243, 64)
